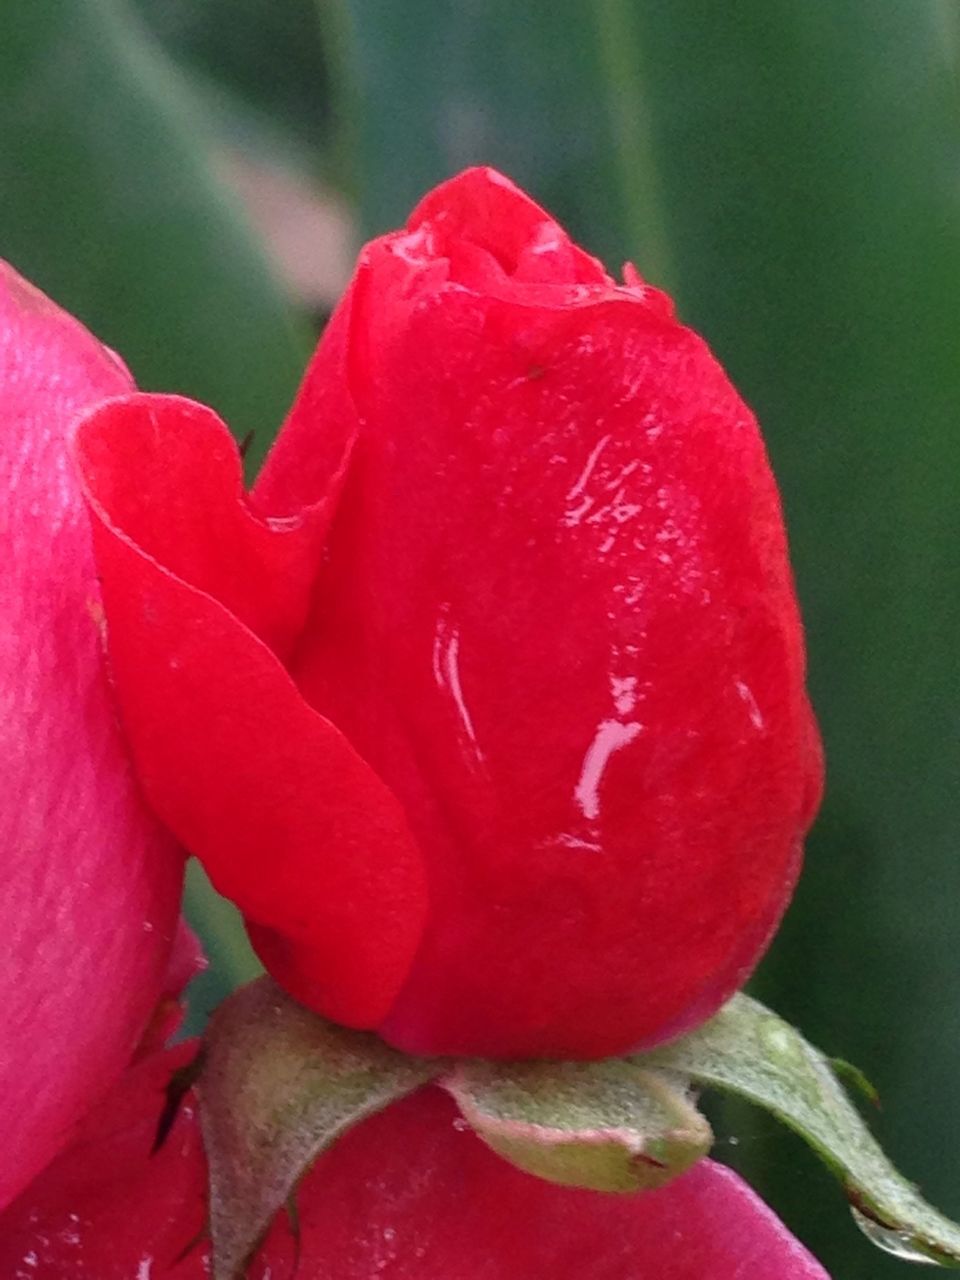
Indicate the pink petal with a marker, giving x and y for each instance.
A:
(90, 884)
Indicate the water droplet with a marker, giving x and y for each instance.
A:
(778, 1039)
(897, 1243)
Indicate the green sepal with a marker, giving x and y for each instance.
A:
(607, 1126)
(749, 1051)
(279, 1085)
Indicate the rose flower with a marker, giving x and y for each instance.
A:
(487, 705)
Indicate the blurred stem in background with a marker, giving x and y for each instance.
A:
(638, 176)
(344, 108)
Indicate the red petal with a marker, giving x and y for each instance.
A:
(186, 961)
(409, 1194)
(201, 597)
(91, 886)
(413, 1195)
(482, 210)
(107, 1209)
(558, 620)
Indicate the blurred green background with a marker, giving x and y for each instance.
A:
(191, 177)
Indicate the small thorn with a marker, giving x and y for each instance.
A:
(188, 1248)
(853, 1076)
(293, 1215)
(642, 1158)
(178, 1086)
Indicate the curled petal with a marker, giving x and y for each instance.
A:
(204, 597)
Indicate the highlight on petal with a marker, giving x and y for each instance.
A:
(90, 884)
(204, 597)
(410, 1193)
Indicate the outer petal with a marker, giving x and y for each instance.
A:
(409, 1194)
(558, 620)
(89, 885)
(203, 598)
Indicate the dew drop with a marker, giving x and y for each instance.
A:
(897, 1243)
(778, 1039)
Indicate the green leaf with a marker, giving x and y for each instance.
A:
(110, 205)
(608, 1126)
(752, 1052)
(267, 56)
(278, 1086)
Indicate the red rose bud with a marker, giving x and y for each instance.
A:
(488, 706)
